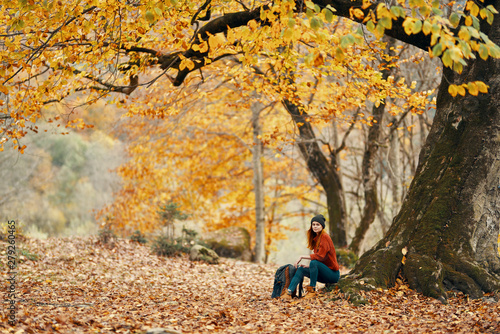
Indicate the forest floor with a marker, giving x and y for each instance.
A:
(78, 285)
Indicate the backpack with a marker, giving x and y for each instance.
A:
(282, 279)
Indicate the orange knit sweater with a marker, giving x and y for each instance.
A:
(325, 252)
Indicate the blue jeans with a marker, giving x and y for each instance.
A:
(317, 272)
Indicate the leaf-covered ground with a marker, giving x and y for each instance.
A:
(81, 286)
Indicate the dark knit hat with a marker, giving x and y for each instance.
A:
(320, 219)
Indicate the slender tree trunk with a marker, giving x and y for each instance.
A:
(369, 181)
(368, 166)
(324, 171)
(258, 181)
(394, 162)
(449, 221)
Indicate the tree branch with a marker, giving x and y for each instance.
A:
(342, 8)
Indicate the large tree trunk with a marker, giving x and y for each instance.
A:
(449, 220)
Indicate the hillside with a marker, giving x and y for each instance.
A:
(78, 285)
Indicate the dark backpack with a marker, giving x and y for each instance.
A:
(282, 279)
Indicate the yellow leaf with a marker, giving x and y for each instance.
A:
(483, 13)
(357, 13)
(455, 54)
(288, 34)
(408, 25)
(447, 59)
(404, 250)
(230, 36)
(318, 60)
(366, 4)
(252, 24)
(482, 87)
(214, 42)
(474, 10)
(473, 90)
(464, 34)
(203, 47)
(186, 62)
(382, 11)
(339, 54)
(469, 5)
(426, 27)
(461, 89)
(483, 51)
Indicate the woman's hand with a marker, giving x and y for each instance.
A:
(297, 263)
(303, 257)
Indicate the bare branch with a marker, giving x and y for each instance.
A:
(342, 145)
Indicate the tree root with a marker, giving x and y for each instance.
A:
(350, 288)
(431, 277)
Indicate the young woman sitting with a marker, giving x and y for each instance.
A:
(323, 266)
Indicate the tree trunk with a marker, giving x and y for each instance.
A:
(394, 164)
(258, 181)
(324, 171)
(368, 164)
(449, 220)
(369, 180)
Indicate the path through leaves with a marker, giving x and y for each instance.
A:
(81, 286)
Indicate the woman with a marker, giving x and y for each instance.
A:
(323, 266)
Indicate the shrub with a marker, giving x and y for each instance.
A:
(137, 236)
(169, 213)
(106, 235)
(164, 245)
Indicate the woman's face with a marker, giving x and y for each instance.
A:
(317, 227)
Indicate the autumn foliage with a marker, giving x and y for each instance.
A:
(74, 53)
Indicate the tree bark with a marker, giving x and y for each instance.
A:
(449, 220)
(258, 181)
(369, 180)
(394, 168)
